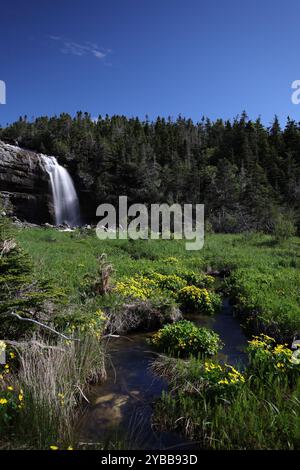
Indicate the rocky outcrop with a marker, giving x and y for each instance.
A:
(24, 184)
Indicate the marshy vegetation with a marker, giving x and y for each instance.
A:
(145, 285)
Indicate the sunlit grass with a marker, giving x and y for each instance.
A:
(264, 276)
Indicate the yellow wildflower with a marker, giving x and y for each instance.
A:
(223, 381)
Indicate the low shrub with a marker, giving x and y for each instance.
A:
(184, 338)
(136, 287)
(195, 299)
(200, 280)
(170, 282)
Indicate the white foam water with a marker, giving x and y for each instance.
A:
(65, 200)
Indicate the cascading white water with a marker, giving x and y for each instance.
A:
(65, 200)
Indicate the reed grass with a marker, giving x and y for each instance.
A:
(54, 378)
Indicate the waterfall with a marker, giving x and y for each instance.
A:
(65, 200)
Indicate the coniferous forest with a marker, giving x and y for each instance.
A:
(246, 173)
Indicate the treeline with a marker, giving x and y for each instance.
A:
(246, 174)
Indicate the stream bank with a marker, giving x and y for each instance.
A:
(121, 408)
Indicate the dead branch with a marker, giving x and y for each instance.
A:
(32, 342)
(15, 315)
(81, 392)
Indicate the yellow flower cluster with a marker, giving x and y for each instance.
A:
(278, 356)
(262, 341)
(196, 298)
(256, 343)
(101, 315)
(137, 287)
(211, 366)
(144, 287)
(157, 337)
(169, 282)
(5, 401)
(223, 375)
(234, 375)
(282, 349)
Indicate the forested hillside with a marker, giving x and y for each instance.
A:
(245, 173)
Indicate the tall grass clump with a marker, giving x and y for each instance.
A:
(53, 378)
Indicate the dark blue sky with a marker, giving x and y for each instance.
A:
(155, 57)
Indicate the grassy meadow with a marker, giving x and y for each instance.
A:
(151, 285)
(263, 282)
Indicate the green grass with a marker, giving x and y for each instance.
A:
(261, 419)
(264, 280)
(222, 408)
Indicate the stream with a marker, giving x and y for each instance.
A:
(121, 408)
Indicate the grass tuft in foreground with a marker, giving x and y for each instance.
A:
(224, 408)
(52, 378)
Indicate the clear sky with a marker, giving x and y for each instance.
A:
(154, 57)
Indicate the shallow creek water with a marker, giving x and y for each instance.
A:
(122, 407)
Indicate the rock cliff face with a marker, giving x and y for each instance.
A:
(24, 185)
